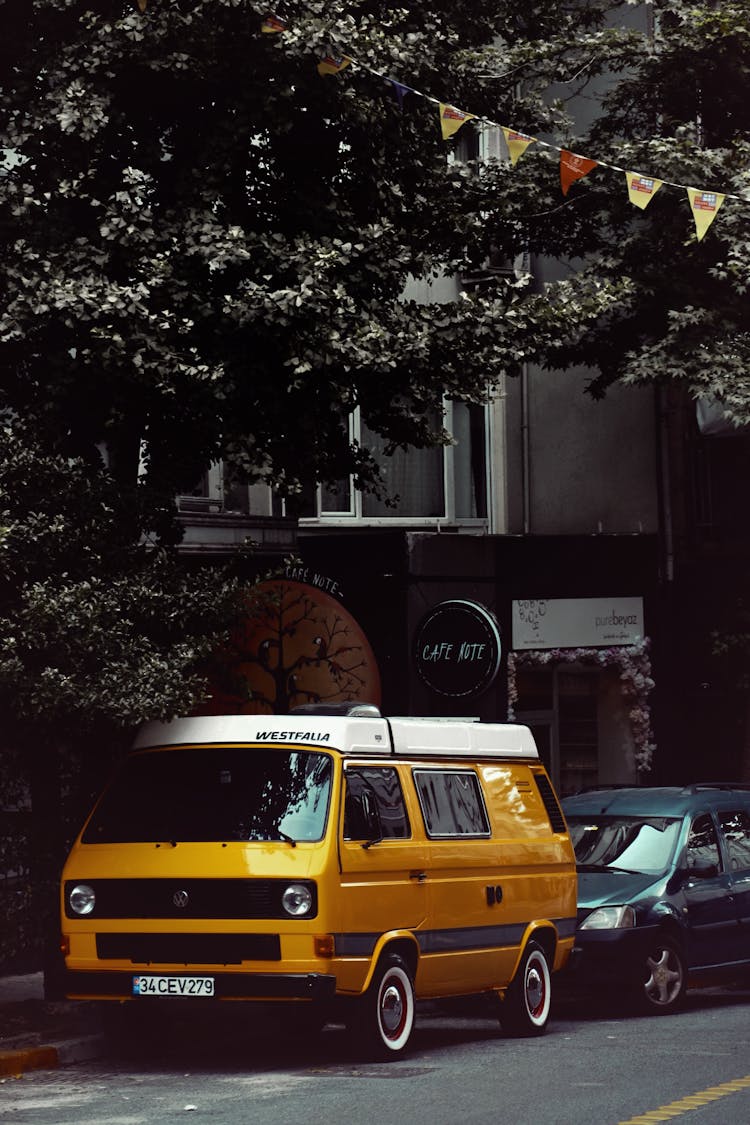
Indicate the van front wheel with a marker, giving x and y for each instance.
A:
(385, 1014)
(525, 1009)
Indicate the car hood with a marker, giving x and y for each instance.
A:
(612, 888)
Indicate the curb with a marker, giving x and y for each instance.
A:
(14, 1063)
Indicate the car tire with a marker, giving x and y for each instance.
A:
(525, 1010)
(662, 977)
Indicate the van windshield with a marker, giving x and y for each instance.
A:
(630, 843)
(215, 794)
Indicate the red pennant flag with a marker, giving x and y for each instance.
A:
(573, 168)
(272, 25)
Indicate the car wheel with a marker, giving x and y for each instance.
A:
(383, 1019)
(663, 977)
(525, 1009)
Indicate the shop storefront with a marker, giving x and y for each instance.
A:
(579, 674)
(555, 633)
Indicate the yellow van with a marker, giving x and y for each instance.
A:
(349, 864)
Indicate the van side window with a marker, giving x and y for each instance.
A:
(703, 843)
(452, 803)
(736, 829)
(373, 796)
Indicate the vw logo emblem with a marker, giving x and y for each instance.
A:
(180, 899)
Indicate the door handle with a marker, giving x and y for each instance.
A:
(420, 876)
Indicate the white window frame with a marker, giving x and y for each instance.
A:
(355, 515)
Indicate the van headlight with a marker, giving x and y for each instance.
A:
(609, 918)
(297, 900)
(82, 899)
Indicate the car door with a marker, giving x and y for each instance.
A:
(468, 945)
(734, 825)
(709, 903)
(382, 858)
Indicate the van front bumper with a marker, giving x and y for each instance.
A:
(118, 985)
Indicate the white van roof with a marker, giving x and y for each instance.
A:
(353, 736)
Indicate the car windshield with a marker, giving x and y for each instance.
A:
(215, 794)
(630, 843)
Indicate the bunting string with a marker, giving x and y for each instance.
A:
(641, 188)
(704, 204)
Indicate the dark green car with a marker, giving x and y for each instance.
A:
(663, 889)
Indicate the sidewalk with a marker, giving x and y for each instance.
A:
(39, 1034)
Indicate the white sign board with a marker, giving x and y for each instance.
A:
(577, 622)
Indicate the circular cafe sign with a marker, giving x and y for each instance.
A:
(458, 648)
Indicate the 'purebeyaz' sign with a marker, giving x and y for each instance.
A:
(577, 622)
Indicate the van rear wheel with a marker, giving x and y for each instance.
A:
(383, 1019)
(525, 1009)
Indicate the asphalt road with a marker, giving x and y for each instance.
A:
(591, 1068)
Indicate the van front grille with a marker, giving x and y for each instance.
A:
(189, 898)
(188, 949)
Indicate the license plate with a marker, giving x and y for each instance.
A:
(173, 986)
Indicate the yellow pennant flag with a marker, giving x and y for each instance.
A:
(704, 205)
(451, 119)
(642, 189)
(332, 64)
(271, 25)
(517, 143)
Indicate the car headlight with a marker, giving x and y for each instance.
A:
(82, 899)
(609, 918)
(297, 900)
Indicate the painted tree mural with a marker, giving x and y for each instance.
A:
(297, 645)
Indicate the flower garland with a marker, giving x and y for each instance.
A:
(635, 677)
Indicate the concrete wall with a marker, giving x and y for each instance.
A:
(576, 465)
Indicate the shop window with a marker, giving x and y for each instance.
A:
(578, 695)
(561, 706)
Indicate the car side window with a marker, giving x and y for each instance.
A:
(373, 793)
(735, 827)
(703, 843)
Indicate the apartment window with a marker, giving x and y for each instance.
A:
(207, 494)
(447, 483)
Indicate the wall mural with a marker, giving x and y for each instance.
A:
(297, 645)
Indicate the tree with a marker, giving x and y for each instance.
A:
(206, 242)
(98, 631)
(205, 247)
(674, 109)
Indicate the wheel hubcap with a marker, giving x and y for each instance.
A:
(534, 990)
(392, 1009)
(664, 980)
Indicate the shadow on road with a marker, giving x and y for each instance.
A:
(237, 1036)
